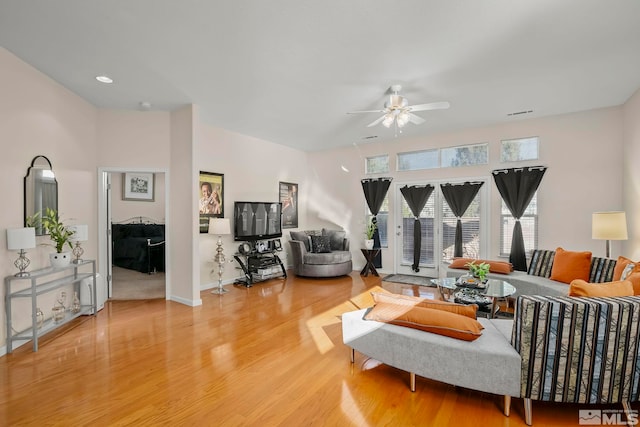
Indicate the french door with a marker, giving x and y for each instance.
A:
(438, 226)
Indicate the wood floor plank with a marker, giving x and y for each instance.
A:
(270, 355)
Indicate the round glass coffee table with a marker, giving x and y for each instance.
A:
(482, 295)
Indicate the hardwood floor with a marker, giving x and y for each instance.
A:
(270, 355)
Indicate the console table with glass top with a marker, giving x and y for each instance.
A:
(493, 290)
(43, 281)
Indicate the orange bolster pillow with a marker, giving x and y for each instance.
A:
(581, 288)
(501, 267)
(427, 319)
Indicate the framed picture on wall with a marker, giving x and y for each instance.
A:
(138, 186)
(289, 199)
(210, 198)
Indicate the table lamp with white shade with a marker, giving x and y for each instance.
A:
(219, 226)
(609, 226)
(80, 234)
(19, 239)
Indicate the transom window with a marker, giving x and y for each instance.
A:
(451, 157)
(517, 150)
(377, 164)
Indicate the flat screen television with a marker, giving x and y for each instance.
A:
(257, 220)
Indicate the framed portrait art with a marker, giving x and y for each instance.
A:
(138, 186)
(289, 199)
(210, 198)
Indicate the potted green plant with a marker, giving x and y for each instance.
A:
(479, 271)
(369, 231)
(60, 235)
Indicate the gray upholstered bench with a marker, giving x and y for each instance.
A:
(489, 364)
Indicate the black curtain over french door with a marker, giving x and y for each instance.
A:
(416, 197)
(459, 197)
(375, 190)
(517, 187)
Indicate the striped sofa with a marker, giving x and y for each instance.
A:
(578, 350)
(536, 280)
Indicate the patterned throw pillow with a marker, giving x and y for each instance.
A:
(628, 269)
(541, 263)
(336, 237)
(320, 244)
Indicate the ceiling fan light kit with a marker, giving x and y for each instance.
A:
(398, 111)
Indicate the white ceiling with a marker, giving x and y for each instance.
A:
(288, 71)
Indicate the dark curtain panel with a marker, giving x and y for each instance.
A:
(416, 197)
(459, 197)
(375, 190)
(517, 187)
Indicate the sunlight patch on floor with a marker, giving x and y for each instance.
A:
(332, 316)
(317, 323)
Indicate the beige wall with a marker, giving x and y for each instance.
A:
(124, 209)
(252, 169)
(631, 178)
(40, 117)
(583, 153)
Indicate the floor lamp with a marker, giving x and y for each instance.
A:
(609, 226)
(219, 226)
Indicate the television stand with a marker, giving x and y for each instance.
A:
(259, 266)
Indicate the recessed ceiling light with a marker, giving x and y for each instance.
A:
(104, 79)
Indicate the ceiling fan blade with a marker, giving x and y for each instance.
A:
(416, 120)
(432, 106)
(367, 111)
(376, 121)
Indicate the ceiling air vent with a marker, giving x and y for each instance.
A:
(519, 113)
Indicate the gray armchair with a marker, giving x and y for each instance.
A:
(318, 253)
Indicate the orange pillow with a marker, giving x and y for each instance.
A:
(501, 267)
(620, 266)
(568, 266)
(462, 309)
(427, 319)
(580, 288)
(634, 278)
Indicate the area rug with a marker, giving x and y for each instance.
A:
(133, 285)
(408, 279)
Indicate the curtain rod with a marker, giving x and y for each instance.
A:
(497, 171)
(384, 178)
(464, 183)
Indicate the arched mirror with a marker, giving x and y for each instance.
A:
(40, 192)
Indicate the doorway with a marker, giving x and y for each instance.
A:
(115, 208)
(438, 225)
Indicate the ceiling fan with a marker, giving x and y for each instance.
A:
(398, 111)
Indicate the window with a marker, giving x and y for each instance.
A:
(383, 219)
(529, 223)
(377, 164)
(467, 155)
(417, 160)
(517, 150)
(470, 230)
(427, 221)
